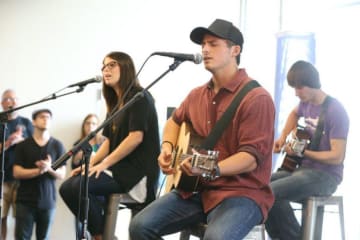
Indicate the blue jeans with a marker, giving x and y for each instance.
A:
(233, 218)
(26, 217)
(295, 187)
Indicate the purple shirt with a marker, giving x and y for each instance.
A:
(336, 126)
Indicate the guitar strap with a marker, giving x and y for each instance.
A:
(215, 133)
(320, 127)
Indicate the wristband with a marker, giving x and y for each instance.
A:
(215, 173)
(171, 145)
(303, 151)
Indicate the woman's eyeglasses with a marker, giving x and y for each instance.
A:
(110, 65)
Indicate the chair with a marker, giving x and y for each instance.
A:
(313, 213)
(257, 233)
(118, 201)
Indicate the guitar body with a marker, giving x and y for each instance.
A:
(186, 140)
(290, 163)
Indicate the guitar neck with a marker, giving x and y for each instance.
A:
(203, 162)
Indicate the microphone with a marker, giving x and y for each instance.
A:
(82, 145)
(96, 79)
(62, 159)
(196, 58)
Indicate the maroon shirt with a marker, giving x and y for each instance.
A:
(251, 130)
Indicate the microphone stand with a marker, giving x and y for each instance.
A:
(3, 124)
(3, 120)
(87, 150)
(86, 139)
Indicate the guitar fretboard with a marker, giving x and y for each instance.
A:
(201, 161)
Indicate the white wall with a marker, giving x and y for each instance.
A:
(47, 45)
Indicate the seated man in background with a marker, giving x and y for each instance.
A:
(321, 162)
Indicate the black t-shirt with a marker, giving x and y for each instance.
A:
(141, 116)
(12, 126)
(38, 192)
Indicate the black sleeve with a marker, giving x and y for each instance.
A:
(139, 114)
(20, 153)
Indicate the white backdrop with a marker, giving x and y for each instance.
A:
(46, 45)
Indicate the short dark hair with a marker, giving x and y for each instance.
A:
(37, 112)
(303, 73)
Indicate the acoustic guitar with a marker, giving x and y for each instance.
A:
(302, 140)
(186, 142)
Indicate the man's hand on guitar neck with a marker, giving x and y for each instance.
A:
(295, 149)
(291, 144)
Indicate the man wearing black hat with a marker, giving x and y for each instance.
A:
(235, 196)
(36, 196)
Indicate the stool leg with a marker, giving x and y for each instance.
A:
(319, 222)
(308, 219)
(184, 235)
(341, 215)
(262, 232)
(110, 218)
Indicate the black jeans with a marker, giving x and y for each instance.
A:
(98, 191)
(26, 216)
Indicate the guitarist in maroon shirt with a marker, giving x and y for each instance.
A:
(237, 197)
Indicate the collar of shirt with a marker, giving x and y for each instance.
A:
(233, 85)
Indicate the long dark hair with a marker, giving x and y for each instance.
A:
(98, 135)
(127, 81)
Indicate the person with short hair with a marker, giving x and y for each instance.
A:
(321, 164)
(17, 129)
(36, 195)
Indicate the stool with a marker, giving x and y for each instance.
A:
(118, 201)
(313, 213)
(257, 233)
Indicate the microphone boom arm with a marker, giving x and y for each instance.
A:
(3, 115)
